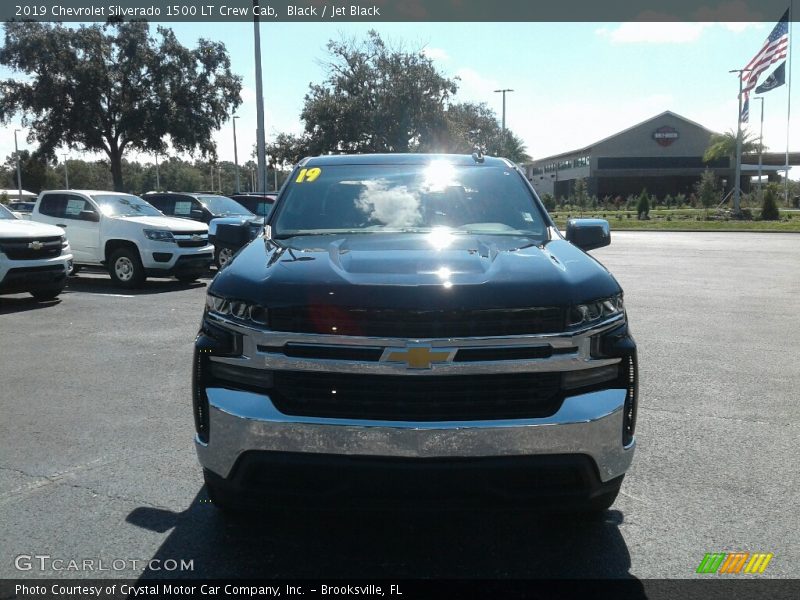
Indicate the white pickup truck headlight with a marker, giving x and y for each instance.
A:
(593, 312)
(159, 235)
(238, 309)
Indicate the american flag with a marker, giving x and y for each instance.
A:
(774, 49)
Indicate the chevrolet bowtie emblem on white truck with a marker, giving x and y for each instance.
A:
(36, 245)
(418, 357)
(196, 238)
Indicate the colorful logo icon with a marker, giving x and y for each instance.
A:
(734, 562)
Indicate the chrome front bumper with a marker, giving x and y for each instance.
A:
(588, 424)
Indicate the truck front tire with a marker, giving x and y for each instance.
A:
(125, 268)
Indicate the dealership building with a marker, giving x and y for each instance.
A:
(663, 155)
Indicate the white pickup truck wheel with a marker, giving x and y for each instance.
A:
(126, 268)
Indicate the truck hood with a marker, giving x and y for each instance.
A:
(169, 223)
(13, 228)
(413, 271)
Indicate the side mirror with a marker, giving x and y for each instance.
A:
(196, 213)
(90, 215)
(588, 234)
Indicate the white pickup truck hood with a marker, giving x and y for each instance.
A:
(169, 223)
(16, 228)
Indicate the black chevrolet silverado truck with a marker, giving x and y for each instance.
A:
(414, 328)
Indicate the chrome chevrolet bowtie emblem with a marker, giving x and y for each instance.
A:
(196, 238)
(36, 245)
(418, 357)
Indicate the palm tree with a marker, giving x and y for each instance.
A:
(512, 147)
(723, 145)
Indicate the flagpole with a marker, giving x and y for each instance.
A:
(788, 109)
(736, 190)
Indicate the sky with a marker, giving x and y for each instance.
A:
(574, 83)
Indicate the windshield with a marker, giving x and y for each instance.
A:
(408, 198)
(223, 206)
(6, 214)
(125, 205)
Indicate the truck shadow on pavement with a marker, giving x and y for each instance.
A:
(391, 543)
(24, 303)
(99, 284)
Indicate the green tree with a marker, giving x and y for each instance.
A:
(549, 202)
(580, 193)
(707, 190)
(723, 145)
(643, 205)
(115, 87)
(37, 172)
(382, 99)
(769, 206)
(375, 99)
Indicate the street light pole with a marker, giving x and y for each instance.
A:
(66, 172)
(261, 151)
(760, 142)
(158, 177)
(19, 169)
(236, 156)
(504, 104)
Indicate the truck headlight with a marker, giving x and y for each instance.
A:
(64, 242)
(159, 235)
(593, 312)
(238, 309)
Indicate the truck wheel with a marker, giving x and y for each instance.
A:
(222, 499)
(126, 268)
(597, 506)
(223, 255)
(47, 293)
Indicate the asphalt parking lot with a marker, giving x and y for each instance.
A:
(97, 462)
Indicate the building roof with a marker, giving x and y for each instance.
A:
(588, 148)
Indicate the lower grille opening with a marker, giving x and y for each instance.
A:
(417, 398)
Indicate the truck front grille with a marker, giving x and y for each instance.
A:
(184, 239)
(427, 398)
(31, 248)
(417, 324)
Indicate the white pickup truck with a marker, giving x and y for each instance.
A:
(126, 235)
(34, 257)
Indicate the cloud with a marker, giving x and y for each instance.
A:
(654, 32)
(475, 85)
(436, 54)
(661, 28)
(248, 95)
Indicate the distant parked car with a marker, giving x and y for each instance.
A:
(197, 206)
(259, 204)
(34, 257)
(237, 225)
(126, 235)
(22, 209)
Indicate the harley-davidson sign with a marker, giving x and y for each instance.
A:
(665, 135)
